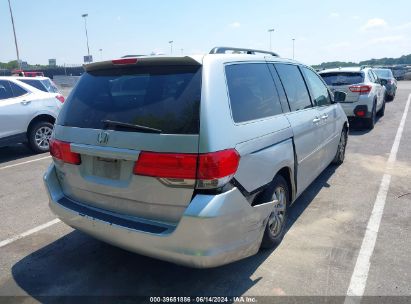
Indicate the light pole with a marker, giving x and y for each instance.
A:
(15, 38)
(85, 27)
(270, 32)
(101, 54)
(171, 46)
(293, 47)
(182, 51)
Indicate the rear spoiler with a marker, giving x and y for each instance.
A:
(142, 61)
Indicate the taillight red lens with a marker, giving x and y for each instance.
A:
(61, 150)
(210, 166)
(124, 61)
(362, 89)
(60, 98)
(219, 164)
(166, 165)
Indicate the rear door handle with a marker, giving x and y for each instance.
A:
(325, 116)
(25, 102)
(316, 120)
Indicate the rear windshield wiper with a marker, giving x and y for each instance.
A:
(125, 125)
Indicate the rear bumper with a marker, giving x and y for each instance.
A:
(351, 108)
(214, 230)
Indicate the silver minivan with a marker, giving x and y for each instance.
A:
(192, 159)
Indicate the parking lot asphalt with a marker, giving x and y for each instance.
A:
(316, 258)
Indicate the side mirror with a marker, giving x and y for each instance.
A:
(383, 81)
(339, 96)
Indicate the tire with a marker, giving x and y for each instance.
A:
(340, 155)
(371, 121)
(39, 135)
(277, 221)
(381, 112)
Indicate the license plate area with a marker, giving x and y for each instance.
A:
(106, 167)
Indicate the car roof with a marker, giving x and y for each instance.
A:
(345, 69)
(32, 78)
(22, 84)
(188, 60)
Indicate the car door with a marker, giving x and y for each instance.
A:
(305, 122)
(14, 114)
(328, 115)
(377, 87)
(380, 87)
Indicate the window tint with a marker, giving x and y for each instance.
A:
(371, 76)
(17, 90)
(383, 73)
(252, 92)
(160, 97)
(342, 78)
(35, 83)
(318, 89)
(5, 90)
(50, 86)
(294, 86)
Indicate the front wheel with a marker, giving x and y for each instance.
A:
(275, 228)
(340, 155)
(39, 136)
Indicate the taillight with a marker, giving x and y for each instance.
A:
(166, 165)
(61, 150)
(124, 61)
(210, 170)
(362, 89)
(60, 98)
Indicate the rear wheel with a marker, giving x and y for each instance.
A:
(371, 121)
(340, 155)
(381, 112)
(39, 135)
(275, 228)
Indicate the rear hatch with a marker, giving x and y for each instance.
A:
(347, 82)
(126, 111)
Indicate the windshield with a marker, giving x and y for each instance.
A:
(342, 78)
(383, 73)
(163, 98)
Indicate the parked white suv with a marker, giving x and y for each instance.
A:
(365, 92)
(27, 114)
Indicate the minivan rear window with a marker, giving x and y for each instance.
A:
(165, 98)
(342, 78)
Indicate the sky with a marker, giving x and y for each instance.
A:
(323, 30)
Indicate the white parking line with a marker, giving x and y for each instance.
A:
(28, 232)
(362, 266)
(23, 163)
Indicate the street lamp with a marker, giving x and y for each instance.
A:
(182, 51)
(85, 27)
(171, 46)
(101, 54)
(15, 38)
(270, 32)
(293, 47)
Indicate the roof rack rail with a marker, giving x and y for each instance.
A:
(224, 49)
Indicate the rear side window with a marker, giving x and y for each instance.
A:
(294, 86)
(5, 90)
(342, 78)
(318, 89)
(166, 98)
(17, 90)
(35, 83)
(252, 92)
